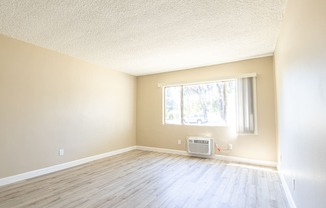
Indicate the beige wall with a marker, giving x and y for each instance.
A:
(300, 65)
(50, 101)
(151, 132)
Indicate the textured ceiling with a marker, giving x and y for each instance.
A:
(145, 37)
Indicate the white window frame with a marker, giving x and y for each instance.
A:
(253, 75)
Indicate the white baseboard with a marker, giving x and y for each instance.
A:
(51, 169)
(163, 150)
(218, 157)
(287, 191)
(247, 161)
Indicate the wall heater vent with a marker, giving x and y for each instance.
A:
(200, 146)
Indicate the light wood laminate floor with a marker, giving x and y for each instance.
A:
(150, 179)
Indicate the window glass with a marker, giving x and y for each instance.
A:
(201, 104)
(172, 105)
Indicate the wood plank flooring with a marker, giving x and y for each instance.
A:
(150, 179)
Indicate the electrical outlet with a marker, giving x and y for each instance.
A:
(293, 184)
(179, 141)
(61, 152)
(230, 146)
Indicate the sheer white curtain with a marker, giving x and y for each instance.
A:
(246, 119)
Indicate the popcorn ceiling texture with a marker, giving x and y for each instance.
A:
(145, 37)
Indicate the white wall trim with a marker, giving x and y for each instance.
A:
(51, 169)
(218, 157)
(247, 160)
(287, 191)
(156, 149)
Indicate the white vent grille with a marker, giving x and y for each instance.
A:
(200, 146)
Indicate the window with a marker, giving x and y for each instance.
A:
(201, 104)
(220, 103)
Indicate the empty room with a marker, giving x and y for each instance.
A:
(212, 104)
